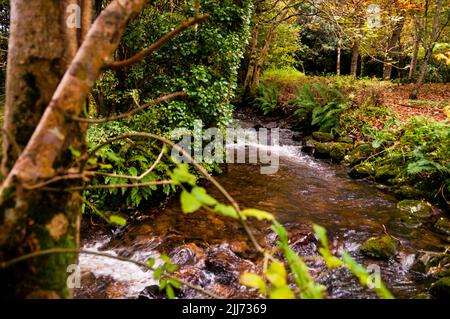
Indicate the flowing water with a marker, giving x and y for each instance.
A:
(302, 192)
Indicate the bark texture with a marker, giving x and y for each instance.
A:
(41, 219)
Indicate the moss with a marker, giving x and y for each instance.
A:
(386, 172)
(442, 226)
(380, 247)
(322, 150)
(441, 288)
(339, 150)
(422, 296)
(415, 208)
(345, 139)
(362, 170)
(407, 192)
(322, 137)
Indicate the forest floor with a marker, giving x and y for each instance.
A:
(433, 98)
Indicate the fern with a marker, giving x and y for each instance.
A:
(267, 98)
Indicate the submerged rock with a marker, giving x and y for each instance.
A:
(322, 137)
(442, 226)
(441, 288)
(339, 150)
(416, 208)
(362, 170)
(380, 247)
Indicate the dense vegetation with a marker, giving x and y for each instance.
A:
(91, 132)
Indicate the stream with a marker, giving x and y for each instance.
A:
(212, 250)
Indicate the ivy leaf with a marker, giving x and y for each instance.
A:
(114, 219)
(228, 211)
(200, 194)
(253, 281)
(189, 203)
(258, 214)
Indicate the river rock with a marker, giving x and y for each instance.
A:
(415, 208)
(384, 173)
(362, 170)
(322, 137)
(442, 226)
(407, 192)
(308, 145)
(345, 139)
(380, 247)
(441, 288)
(322, 150)
(339, 150)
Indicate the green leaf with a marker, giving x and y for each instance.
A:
(170, 292)
(228, 211)
(133, 171)
(276, 274)
(171, 267)
(175, 283)
(76, 153)
(151, 262)
(157, 273)
(165, 258)
(258, 214)
(181, 175)
(189, 203)
(282, 292)
(281, 231)
(321, 233)
(253, 281)
(114, 219)
(200, 194)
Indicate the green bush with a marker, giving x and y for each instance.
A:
(282, 76)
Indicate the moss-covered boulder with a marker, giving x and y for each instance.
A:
(415, 208)
(379, 247)
(442, 226)
(384, 173)
(322, 137)
(339, 150)
(322, 150)
(308, 145)
(407, 192)
(345, 139)
(441, 288)
(362, 170)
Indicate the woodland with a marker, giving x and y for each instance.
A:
(94, 204)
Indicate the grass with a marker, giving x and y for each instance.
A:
(282, 77)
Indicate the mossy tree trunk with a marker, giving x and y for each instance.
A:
(37, 219)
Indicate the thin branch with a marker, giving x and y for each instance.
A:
(158, 44)
(81, 188)
(132, 112)
(9, 263)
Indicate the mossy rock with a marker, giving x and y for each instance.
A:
(415, 208)
(360, 153)
(322, 137)
(339, 150)
(407, 192)
(386, 172)
(345, 140)
(362, 170)
(441, 288)
(379, 247)
(419, 266)
(442, 226)
(308, 144)
(322, 150)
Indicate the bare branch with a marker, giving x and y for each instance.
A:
(158, 44)
(132, 112)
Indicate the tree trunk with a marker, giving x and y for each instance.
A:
(429, 52)
(33, 220)
(392, 49)
(413, 65)
(354, 61)
(252, 62)
(338, 62)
